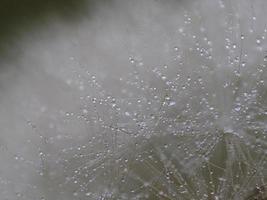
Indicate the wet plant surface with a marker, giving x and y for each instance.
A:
(140, 100)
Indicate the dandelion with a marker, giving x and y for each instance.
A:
(176, 108)
(202, 136)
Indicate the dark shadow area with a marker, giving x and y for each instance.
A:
(18, 16)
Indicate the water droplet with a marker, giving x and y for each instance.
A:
(88, 194)
(228, 130)
(237, 108)
(258, 41)
(131, 60)
(94, 100)
(211, 108)
(85, 111)
(172, 103)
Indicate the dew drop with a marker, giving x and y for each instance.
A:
(258, 41)
(88, 194)
(172, 103)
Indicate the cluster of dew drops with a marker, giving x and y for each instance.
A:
(168, 137)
